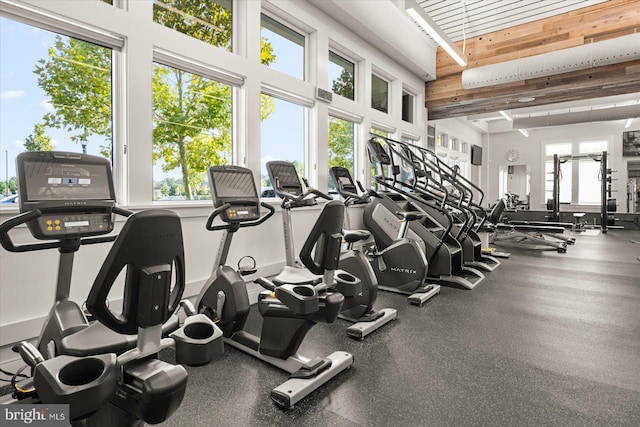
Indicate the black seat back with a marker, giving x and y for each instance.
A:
(321, 250)
(496, 212)
(150, 247)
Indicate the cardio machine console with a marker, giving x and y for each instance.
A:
(378, 152)
(343, 181)
(74, 192)
(234, 185)
(284, 178)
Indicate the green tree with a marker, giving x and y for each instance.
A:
(206, 21)
(13, 185)
(193, 114)
(344, 84)
(38, 141)
(192, 126)
(164, 190)
(77, 79)
(341, 134)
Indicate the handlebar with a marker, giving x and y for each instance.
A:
(11, 223)
(291, 200)
(410, 216)
(237, 225)
(266, 283)
(355, 198)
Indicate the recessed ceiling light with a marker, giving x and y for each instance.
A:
(527, 99)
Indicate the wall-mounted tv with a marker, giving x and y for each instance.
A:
(476, 155)
(631, 143)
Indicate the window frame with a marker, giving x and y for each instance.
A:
(235, 83)
(346, 58)
(356, 121)
(407, 92)
(388, 84)
(288, 25)
(307, 105)
(33, 17)
(575, 150)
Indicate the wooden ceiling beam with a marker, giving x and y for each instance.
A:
(445, 97)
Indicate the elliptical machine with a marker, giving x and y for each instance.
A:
(400, 267)
(358, 303)
(289, 311)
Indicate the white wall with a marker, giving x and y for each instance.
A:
(465, 132)
(531, 153)
(27, 280)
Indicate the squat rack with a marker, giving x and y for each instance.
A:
(605, 186)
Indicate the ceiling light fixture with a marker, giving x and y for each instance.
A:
(524, 132)
(627, 124)
(506, 115)
(420, 16)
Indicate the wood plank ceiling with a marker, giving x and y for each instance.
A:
(599, 20)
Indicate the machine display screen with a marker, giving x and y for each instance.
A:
(288, 177)
(346, 181)
(284, 177)
(233, 184)
(59, 179)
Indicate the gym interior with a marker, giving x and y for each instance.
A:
(443, 200)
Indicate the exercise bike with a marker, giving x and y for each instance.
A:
(67, 211)
(358, 303)
(118, 379)
(289, 311)
(402, 266)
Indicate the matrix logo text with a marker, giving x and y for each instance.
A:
(40, 415)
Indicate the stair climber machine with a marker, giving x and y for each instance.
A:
(288, 310)
(427, 174)
(107, 371)
(359, 300)
(402, 266)
(444, 253)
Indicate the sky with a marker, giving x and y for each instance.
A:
(23, 103)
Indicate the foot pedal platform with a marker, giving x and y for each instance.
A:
(419, 298)
(360, 330)
(501, 254)
(292, 391)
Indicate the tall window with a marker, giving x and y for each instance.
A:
(192, 123)
(579, 183)
(566, 171)
(408, 101)
(341, 140)
(211, 24)
(379, 94)
(287, 47)
(283, 138)
(341, 76)
(589, 188)
(373, 171)
(55, 94)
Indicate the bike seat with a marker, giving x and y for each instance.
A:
(296, 276)
(98, 339)
(351, 236)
